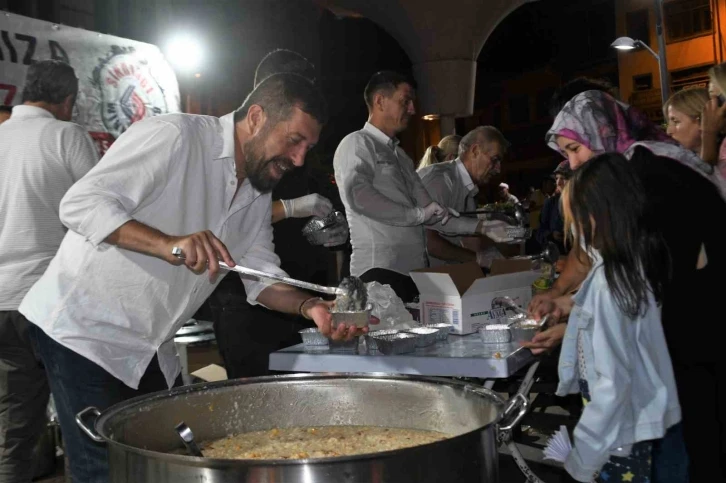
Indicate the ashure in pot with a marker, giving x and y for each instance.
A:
(140, 432)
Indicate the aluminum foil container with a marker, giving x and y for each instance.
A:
(400, 343)
(371, 337)
(358, 319)
(426, 335)
(495, 334)
(313, 337)
(518, 232)
(313, 228)
(444, 330)
(524, 331)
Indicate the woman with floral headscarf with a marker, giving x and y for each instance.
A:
(685, 201)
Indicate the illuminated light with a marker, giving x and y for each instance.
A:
(197, 75)
(624, 43)
(430, 117)
(184, 53)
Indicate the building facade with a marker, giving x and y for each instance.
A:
(694, 42)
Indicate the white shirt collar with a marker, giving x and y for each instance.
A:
(466, 177)
(227, 122)
(381, 136)
(23, 111)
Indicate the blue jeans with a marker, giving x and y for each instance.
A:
(77, 383)
(670, 460)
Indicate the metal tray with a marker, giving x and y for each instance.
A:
(400, 343)
(426, 335)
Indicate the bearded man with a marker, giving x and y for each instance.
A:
(105, 312)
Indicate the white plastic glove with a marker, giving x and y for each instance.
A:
(485, 257)
(335, 235)
(308, 205)
(433, 213)
(496, 230)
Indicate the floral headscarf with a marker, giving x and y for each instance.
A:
(597, 120)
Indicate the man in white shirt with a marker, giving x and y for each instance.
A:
(506, 195)
(247, 334)
(41, 155)
(456, 184)
(386, 204)
(107, 308)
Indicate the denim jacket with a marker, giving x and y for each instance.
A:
(628, 371)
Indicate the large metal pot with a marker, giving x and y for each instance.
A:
(140, 432)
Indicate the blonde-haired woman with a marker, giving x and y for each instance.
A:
(683, 112)
(446, 150)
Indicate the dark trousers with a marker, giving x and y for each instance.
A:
(248, 334)
(403, 285)
(23, 399)
(702, 394)
(77, 383)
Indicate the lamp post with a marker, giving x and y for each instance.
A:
(626, 43)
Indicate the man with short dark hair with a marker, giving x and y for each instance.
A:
(5, 112)
(283, 61)
(106, 310)
(387, 206)
(41, 156)
(247, 334)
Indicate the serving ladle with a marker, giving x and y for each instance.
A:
(177, 252)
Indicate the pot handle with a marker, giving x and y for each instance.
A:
(519, 400)
(88, 429)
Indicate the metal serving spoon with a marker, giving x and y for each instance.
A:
(177, 252)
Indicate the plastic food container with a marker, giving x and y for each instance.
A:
(426, 335)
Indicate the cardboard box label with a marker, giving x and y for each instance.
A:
(442, 313)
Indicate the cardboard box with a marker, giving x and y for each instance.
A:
(461, 295)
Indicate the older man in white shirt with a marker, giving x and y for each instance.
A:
(107, 308)
(41, 155)
(456, 184)
(386, 204)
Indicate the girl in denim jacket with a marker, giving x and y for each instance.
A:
(614, 351)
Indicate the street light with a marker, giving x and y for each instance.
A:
(626, 43)
(184, 53)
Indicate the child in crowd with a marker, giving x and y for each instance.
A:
(614, 351)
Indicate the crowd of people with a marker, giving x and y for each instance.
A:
(92, 290)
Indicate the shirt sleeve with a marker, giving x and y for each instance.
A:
(79, 151)
(606, 414)
(261, 256)
(354, 174)
(132, 174)
(439, 187)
